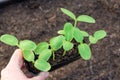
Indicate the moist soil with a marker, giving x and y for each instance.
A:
(40, 20)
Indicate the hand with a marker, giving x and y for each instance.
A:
(13, 69)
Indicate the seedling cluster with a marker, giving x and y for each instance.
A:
(44, 50)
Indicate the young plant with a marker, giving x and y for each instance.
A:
(30, 49)
(56, 44)
(72, 32)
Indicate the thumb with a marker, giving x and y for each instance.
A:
(16, 59)
(41, 76)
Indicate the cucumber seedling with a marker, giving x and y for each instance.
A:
(30, 49)
(73, 32)
(56, 43)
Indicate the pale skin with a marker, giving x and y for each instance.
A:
(13, 70)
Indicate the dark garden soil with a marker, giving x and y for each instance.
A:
(39, 20)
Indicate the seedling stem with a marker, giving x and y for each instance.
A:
(64, 53)
(53, 55)
(75, 23)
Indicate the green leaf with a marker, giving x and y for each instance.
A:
(9, 39)
(27, 45)
(42, 65)
(67, 45)
(28, 55)
(84, 33)
(84, 51)
(86, 18)
(68, 30)
(56, 42)
(100, 34)
(77, 35)
(45, 54)
(61, 32)
(68, 13)
(41, 47)
(92, 40)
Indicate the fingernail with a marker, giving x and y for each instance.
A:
(45, 74)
